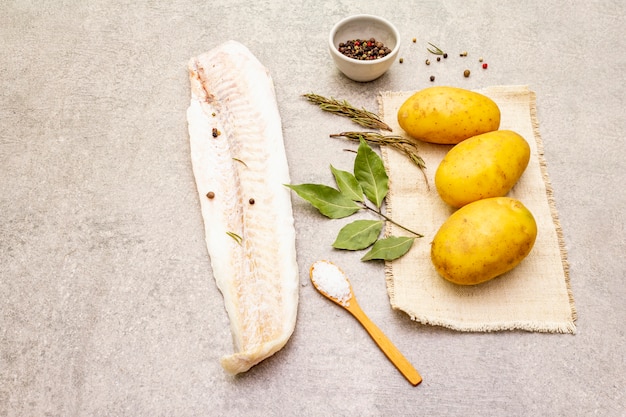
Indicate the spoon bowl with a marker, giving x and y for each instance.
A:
(333, 284)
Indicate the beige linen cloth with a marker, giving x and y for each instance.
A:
(535, 296)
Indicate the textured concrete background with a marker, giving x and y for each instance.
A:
(107, 304)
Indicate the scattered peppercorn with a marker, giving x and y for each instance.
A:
(251, 201)
(438, 58)
(480, 59)
(432, 78)
(210, 195)
(216, 132)
(466, 73)
(414, 40)
(213, 114)
(445, 55)
(401, 60)
(428, 62)
(464, 53)
(364, 50)
(485, 65)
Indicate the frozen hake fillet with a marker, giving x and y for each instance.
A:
(240, 168)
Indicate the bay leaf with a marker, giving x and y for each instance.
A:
(359, 234)
(369, 171)
(389, 248)
(328, 200)
(348, 184)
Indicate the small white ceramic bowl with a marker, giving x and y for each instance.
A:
(364, 26)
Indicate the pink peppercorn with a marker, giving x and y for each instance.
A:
(485, 65)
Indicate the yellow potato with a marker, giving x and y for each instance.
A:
(448, 115)
(483, 240)
(483, 166)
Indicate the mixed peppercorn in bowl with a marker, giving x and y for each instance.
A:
(363, 46)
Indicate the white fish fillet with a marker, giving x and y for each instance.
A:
(238, 155)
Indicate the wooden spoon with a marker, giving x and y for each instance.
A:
(332, 283)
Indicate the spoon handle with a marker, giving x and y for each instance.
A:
(383, 342)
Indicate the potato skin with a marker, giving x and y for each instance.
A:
(448, 115)
(483, 166)
(483, 240)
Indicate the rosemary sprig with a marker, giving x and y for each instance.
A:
(398, 142)
(436, 50)
(343, 108)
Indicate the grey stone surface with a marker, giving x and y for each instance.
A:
(107, 303)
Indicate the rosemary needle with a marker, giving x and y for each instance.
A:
(436, 50)
(343, 108)
(235, 236)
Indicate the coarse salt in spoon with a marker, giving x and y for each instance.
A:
(331, 282)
